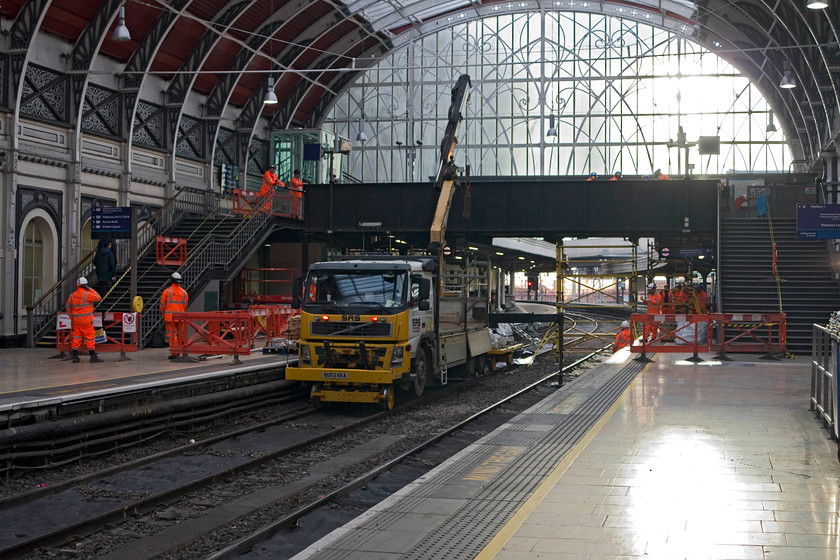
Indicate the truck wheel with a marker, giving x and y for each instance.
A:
(388, 398)
(421, 371)
(316, 402)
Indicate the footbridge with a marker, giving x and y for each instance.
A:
(551, 208)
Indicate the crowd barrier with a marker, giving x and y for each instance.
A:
(231, 333)
(170, 251)
(715, 332)
(825, 355)
(103, 324)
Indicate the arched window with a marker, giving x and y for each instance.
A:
(563, 93)
(86, 243)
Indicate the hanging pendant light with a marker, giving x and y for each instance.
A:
(788, 81)
(552, 132)
(816, 4)
(121, 31)
(270, 97)
(771, 126)
(362, 136)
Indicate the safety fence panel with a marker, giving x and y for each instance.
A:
(279, 203)
(677, 333)
(170, 251)
(270, 320)
(825, 354)
(749, 332)
(213, 332)
(104, 324)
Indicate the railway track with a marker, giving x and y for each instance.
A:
(87, 506)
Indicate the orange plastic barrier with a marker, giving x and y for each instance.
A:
(734, 332)
(127, 323)
(685, 333)
(170, 251)
(214, 332)
(231, 333)
(280, 203)
(750, 332)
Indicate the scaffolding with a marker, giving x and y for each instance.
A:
(601, 278)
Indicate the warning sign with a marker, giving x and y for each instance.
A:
(62, 322)
(129, 322)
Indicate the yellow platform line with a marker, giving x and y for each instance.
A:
(505, 533)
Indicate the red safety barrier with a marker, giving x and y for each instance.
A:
(127, 323)
(686, 332)
(280, 203)
(734, 332)
(170, 251)
(750, 332)
(232, 333)
(214, 332)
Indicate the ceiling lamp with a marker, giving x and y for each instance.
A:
(771, 126)
(552, 132)
(121, 31)
(788, 80)
(270, 97)
(362, 136)
(816, 4)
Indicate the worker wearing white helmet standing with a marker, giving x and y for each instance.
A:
(80, 308)
(623, 338)
(174, 300)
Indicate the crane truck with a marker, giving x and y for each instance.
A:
(377, 324)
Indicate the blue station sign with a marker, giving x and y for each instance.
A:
(818, 221)
(111, 222)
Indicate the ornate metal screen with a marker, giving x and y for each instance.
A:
(619, 93)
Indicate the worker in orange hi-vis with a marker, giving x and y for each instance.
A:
(80, 308)
(616, 176)
(623, 338)
(174, 300)
(269, 180)
(659, 176)
(297, 184)
(654, 302)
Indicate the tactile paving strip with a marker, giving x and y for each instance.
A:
(494, 476)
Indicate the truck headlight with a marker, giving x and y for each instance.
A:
(397, 357)
(304, 355)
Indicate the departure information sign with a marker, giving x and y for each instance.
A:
(818, 221)
(111, 222)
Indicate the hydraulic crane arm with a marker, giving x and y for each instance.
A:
(447, 171)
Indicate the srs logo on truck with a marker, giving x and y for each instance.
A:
(334, 375)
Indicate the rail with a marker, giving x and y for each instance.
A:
(825, 353)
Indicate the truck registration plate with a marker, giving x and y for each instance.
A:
(334, 375)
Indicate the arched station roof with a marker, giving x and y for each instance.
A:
(226, 50)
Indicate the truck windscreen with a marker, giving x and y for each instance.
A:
(360, 291)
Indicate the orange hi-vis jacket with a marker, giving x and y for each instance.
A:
(173, 300)
(297, 187)
(623, 338)
(654, 303)
(80, 305)
(269, 180)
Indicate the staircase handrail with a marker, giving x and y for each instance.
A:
(41, 314)
(215, 251)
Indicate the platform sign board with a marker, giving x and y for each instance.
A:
(694, 252)
(111, 222)
(818, 221)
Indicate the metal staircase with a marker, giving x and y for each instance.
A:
(218, 244)
(807, 292)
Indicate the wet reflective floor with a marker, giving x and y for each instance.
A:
(716, 460)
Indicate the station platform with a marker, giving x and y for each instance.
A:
(35, 376)
(664, 460)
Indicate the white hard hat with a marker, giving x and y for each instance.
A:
(652, 285)
(625, 324)
(82, 281)
(176, 277)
